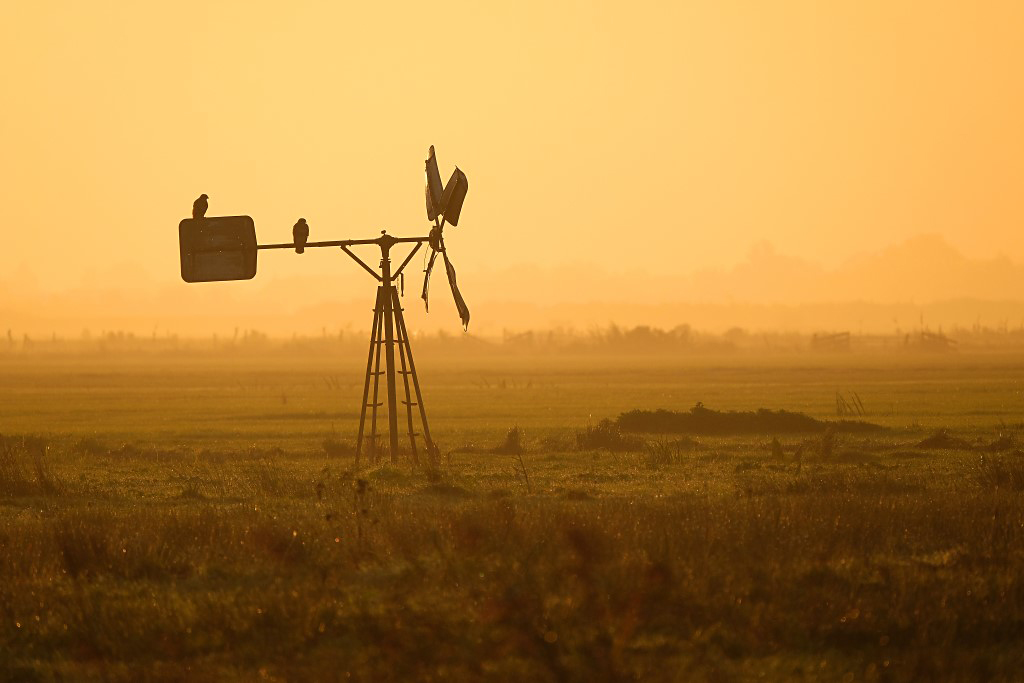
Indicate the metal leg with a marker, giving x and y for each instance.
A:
(403, 344)
(389, 357)
(369, 370)
(376, 374)
(416, 384)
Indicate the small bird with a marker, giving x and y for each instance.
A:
(300, 233)
(200, 206)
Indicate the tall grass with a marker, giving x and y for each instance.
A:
(1001, 472)
(608, 436)
(291, 568)
(25, 467)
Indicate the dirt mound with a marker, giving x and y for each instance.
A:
(704, 421)
(1005, 442)
(943, 439)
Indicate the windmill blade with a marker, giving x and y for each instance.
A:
(460, 303)
(433, 189)
(454, 195)
(426, 280)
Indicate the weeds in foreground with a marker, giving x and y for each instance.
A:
(1001, 472)
(847, 566)
(89, 446)
(607, 435)
(334, 448)
(513, 443)
(827, 443)
(520, 470)
(661, 452)
(302, 571)
(25, 468)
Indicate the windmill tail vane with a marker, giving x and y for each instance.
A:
(460, 303)
(444, 205)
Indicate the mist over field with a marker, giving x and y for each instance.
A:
(923, 282)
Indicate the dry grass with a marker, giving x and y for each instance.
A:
(606, 435)
(1002, 472)
(25, 467)
(752, 567)
(214, 538)
(514, 443)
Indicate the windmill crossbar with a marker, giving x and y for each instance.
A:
(388, 331)
(346, 243)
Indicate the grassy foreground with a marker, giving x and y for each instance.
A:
(715, 561)
(179, 520)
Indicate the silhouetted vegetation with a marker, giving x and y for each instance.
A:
(876, 570)
(334, 448)
(151, 537)
(612, 339)
(943, 439)
(25, 467)
(608, 436)
(513, 443)
(704, 421)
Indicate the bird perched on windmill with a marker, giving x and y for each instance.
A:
(300, 234)
(199, 206)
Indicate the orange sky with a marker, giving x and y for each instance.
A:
(660, 136)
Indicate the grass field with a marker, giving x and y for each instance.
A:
(174, 516)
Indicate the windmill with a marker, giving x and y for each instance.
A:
(220, 248)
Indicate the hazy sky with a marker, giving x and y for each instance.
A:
(659, 136)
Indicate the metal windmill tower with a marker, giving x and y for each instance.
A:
(220, 248)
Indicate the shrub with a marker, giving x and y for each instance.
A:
(513, 443)
(334, 448)
(1001, 472)
(705, 421)
(607, 435)
(89, 446)
(25, 468)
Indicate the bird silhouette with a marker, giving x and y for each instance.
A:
(300, 233)
(200, 206)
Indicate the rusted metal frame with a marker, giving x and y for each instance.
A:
(358, 260)
(369, 369)
(407, 259)
(416, 384)
(403, 345)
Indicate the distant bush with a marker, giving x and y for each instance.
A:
(556, 444)
(24, 467)
(827, 444)
(1004, 442)
(704, 421)
(334, 448)
(89, 446)
(943, 439)
(1001, 472)
(513, 443)
(607, 435)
